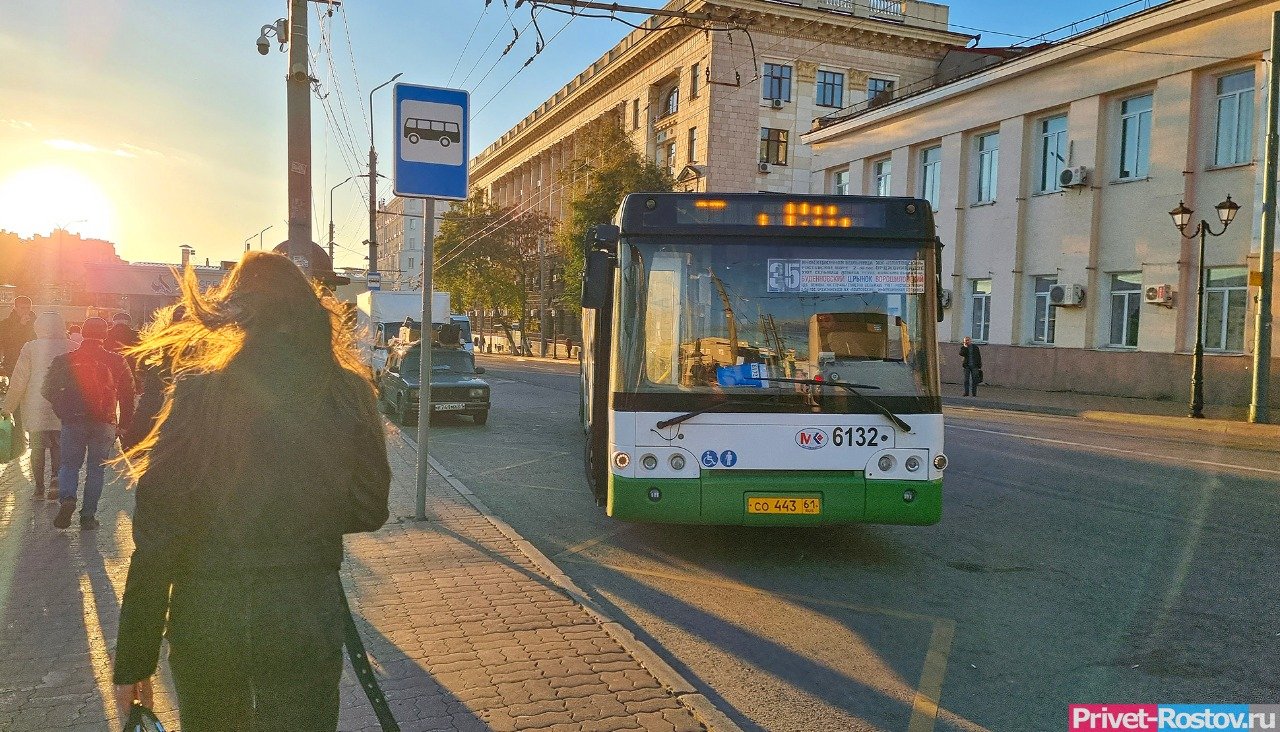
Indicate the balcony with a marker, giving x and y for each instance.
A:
(908, 12)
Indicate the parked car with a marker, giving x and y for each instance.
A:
(455, 384)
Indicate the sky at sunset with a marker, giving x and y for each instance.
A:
(155, 124)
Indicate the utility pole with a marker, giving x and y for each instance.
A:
(298, 99)
(542, 294)
(373, 183)
(1260, 401)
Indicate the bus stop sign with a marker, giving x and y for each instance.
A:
(432, 141)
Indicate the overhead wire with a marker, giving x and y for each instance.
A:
(355, 75)
(536, 53)
(492, 41)
(467, 45)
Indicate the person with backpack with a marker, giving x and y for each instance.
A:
(91, 390)
(25, 397)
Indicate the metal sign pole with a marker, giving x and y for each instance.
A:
(424, 372)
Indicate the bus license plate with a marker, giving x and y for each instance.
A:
(449, 407)
(777, 504)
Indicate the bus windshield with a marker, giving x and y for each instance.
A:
(724, 315)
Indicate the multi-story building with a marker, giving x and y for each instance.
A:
(399, 226)
(1052, 173)
(721, 109)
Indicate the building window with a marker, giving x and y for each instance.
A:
(988, 166)
(1135, 137)
(773, 146)
(671, 101)
(840, 183)
(883, 176)
(980, 310)
(1225, 295)
(1053, 153)
(1235, 119)
(1045, 316)
(695, 80)
(1126, 307)
(693, 144)
(635, 114)
(777, 82)
(410, 263)
(930, 173)
(671, 157)
(830, 89)
(879, 90)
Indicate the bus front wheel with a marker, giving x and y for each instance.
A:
(445, 142)
(597, 468)
(413, 138)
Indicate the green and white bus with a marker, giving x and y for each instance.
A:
(764, 359)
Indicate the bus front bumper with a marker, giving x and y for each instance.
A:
(808, 498)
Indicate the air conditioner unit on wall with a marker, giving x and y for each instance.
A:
(763, 167)
(1159, 295)
(1073, 177)
(776, 103)
(944, 298)
(1066, 295)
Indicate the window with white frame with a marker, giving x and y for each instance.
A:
(1135, 137)
(1225, 298)
(1052, 153)
(777, 82)
(773, 146)
(840, 183)
(930, 174)
(1126, 309)
(671, 157)
(671, 101)
(1043, 325)
(988, 166)
(879, 90)
(830, 89)
(883, 176)
(1234, 143)
(980, 309)
(695, 80)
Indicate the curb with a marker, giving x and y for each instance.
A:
(1185, 424)
(684, 692)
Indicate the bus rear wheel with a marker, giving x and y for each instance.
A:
(413, 138)
(445, 142)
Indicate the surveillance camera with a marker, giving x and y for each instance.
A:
(264, 45)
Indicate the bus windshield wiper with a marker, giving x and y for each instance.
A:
(853, 389)
(690, 415)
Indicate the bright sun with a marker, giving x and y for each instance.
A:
(38, 200)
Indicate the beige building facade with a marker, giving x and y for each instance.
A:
(400, 225)
(721, 109)
(1059, 167)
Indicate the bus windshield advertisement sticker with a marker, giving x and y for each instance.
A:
(884, 276)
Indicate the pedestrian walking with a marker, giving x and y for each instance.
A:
(154, 376)
(971, 360)
(269, 450)
(18, 327)
(25, 396)
(74, 334)
(91, 390)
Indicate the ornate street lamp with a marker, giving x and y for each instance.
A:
(1181, 220)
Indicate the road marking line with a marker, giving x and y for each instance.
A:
(491, 471)
(924, 709)
(1087, 446)
(582, 546)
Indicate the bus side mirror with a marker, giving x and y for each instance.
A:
(597, 280)
(605, 234)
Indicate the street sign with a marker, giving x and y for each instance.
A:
(432, 139)
(374, 281)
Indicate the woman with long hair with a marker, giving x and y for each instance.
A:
(269, 449)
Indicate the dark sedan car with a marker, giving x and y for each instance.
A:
(455, 386)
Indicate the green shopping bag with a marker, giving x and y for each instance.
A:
(11, 446)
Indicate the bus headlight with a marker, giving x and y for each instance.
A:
(886, 463)
(650, 462)
(912, 463)
(940, 462)
(677, 462)
(621, 460)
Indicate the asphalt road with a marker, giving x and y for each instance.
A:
(1075, 562)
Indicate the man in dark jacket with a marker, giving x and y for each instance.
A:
(91, 390)
(971, 359)
(15, 330)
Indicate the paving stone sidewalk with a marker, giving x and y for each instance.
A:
(467, 632)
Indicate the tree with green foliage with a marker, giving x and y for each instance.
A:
(610, 169)
(484, 254)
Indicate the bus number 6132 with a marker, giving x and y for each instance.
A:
(858, 437)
